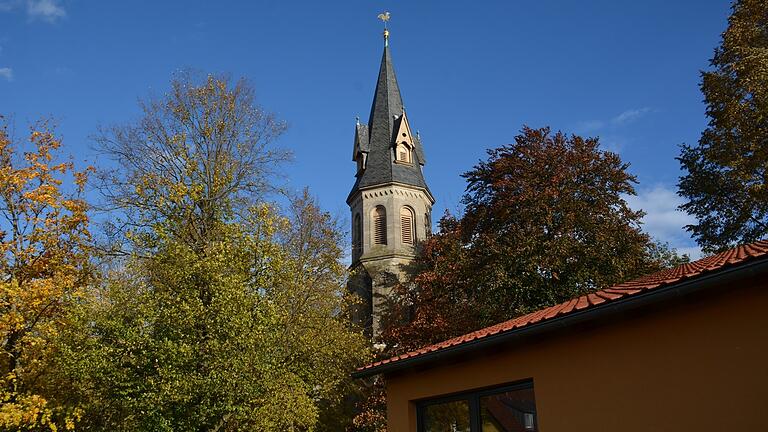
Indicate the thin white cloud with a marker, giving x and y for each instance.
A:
(613, 143)
(693, 252)
(43, 10)
(63, 70)
(589, 126)
(6, 73)
(629, 116)
(611, 136)
(46, 10)
(663, 221)
(613, 123)
(8, 5)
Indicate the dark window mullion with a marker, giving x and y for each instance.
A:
(420, 418)
(474, 413)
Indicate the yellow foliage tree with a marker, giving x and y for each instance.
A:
(44, 265)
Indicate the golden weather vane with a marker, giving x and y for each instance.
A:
(384, 17)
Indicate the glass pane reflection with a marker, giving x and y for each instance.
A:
(447, 417)
(512, 411)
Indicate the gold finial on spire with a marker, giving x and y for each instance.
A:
(384, 17)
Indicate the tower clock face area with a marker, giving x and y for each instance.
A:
(390, 202)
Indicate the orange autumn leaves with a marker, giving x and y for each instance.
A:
(44, 263)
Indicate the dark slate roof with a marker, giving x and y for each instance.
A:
(419, 149)
(361, 140)
(386, 113)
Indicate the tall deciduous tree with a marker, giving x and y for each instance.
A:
(226, 314)
(44, 266)
(202, 153)
(726, 174)
(545, 221)
(252, 335)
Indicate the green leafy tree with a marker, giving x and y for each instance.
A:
(221, 313)
(249, 336)
(544, 221)
(726, 174)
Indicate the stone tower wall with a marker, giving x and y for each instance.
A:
(378, 268)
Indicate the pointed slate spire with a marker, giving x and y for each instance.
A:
(387, 103)
(386, 115)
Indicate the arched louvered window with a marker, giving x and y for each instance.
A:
(407, 226)
(404, 152)
(357, 235)
(380, 225)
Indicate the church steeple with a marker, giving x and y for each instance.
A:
(390, 203)
(376, 143)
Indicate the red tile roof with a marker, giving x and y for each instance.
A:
(664, 278)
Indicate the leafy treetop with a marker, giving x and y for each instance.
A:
(726, 173)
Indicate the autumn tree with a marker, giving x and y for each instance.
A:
(726, 173)
(44, 263)
(226, 313)
(544, 221)
(203, 153)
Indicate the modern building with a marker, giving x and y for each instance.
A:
(390, 202)
(685, 349)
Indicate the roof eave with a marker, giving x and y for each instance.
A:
(355, 190)
(609, 308)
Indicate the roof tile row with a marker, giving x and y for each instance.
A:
(736, 256)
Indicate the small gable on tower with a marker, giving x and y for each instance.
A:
(403, 140)
(360, 149)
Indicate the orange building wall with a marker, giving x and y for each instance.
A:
(697, 366)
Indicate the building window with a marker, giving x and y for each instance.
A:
(403, 152)
(407, 228)
(380, 225)
(448, 416)
(508, 408)
(357, 236)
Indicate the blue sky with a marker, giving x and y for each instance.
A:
(471, 74)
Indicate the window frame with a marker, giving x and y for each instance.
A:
(408, 153)
(357, 234)
(473, 399)
(379, 229)
(411, 214)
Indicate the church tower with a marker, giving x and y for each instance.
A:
(390, 202)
